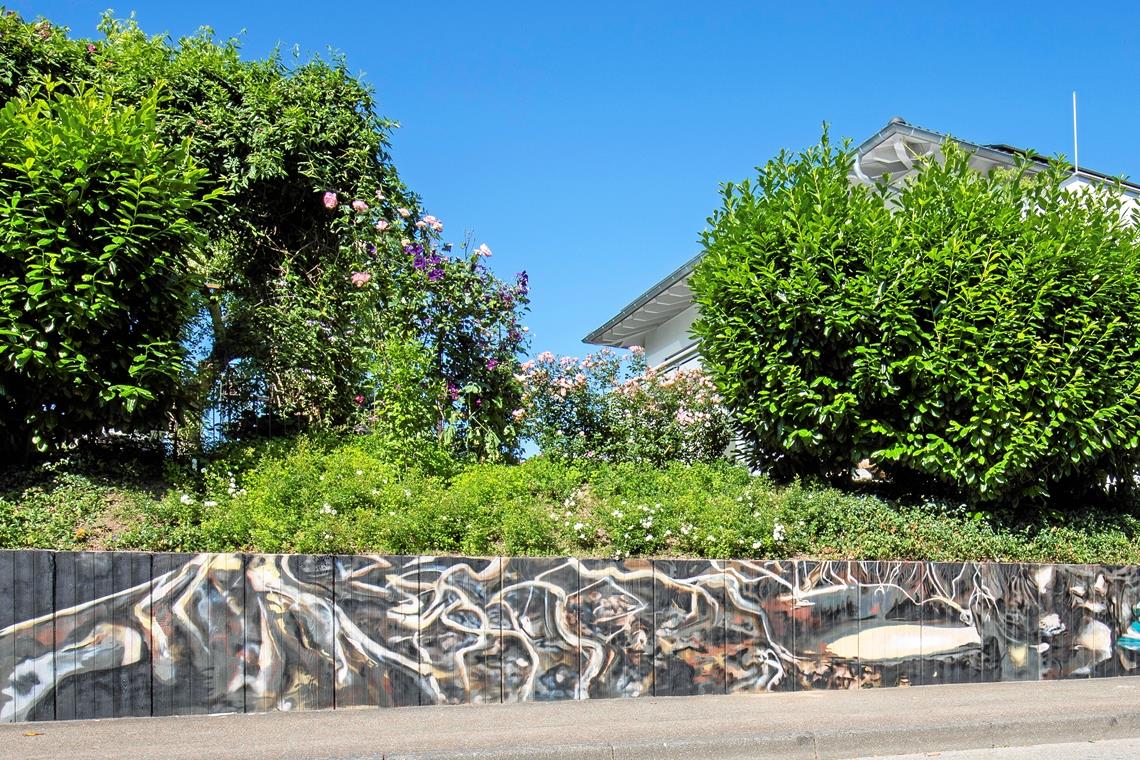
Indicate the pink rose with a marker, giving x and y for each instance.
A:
(483, 251)
(403, 212)
(359, 206)
(329, 200)
(381, 225)
(360, 279)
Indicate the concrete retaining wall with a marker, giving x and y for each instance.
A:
(93, 634)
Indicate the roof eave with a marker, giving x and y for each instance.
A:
(595, 338)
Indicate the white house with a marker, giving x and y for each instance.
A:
(660, 318)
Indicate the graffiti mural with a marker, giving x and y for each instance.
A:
(96, 635)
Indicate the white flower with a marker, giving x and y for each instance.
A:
(209, 504)
(360, 472)
(778, 533)
(578, 526)
(617, 513)
(327, 509)
(756, 544)
(186, 499)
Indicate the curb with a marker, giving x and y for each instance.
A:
(824, 744)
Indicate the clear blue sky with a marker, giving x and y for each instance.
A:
(585, 142)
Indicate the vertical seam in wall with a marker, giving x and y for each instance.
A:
(653, 634)
(417, 635)
(244, 630)
(332, 612)
(54, 648)
(724, 619)
(150, 631)
(579, 694)
(502, 640)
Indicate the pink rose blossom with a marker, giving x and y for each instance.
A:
(403, 212)
(359, 206)
(379, 195)
(483, 251)
(360, 279)
(381, 225)
(329, 200)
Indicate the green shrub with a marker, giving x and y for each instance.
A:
(97, 266)
(963, 344)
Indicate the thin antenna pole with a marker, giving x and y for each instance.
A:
(1076, 155)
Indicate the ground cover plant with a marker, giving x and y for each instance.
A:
(320, 495)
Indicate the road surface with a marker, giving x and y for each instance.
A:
(1061, 718)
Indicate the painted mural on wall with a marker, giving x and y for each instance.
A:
(86, 635)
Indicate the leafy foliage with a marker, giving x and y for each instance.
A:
(98, 266)
(313, 495)
(976, 334)
(609, 408)
(311, 263)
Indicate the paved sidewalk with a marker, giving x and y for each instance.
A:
(802, 725)
(1108, 749)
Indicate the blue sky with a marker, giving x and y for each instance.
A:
(585, 142)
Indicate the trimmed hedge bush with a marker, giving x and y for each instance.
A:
(975, 335)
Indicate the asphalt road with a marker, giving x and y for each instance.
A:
(1053, 717)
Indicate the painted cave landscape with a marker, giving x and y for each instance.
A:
(87, 635)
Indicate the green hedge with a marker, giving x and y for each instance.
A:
(314, 496)
(972, 334)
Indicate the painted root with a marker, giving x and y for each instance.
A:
(139, 634)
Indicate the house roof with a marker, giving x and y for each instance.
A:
(656, 306)
(891, 150)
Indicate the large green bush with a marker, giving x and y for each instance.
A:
(99, 262)
(319, 253)
(977, 334)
